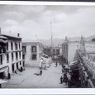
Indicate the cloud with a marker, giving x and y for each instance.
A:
(10, 22)
(67, 9)
(19, 16)
(33, 21)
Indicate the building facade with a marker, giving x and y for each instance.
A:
(56, 51)
(10, 55)
(65, 49)
(33, 52)
(81, 56)
(69, 48)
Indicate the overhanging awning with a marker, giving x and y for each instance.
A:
(74, 65)
(3, 37)
(3, 69)
(3, 41)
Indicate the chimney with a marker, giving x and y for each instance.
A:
(18, 35)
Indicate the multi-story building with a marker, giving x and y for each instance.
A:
(81, 55)
(10, 55)
(69, 48)
(32, 53)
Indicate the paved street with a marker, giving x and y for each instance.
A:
(27, 79)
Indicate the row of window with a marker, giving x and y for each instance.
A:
(17, 55)
(17, 66)
(56, 51)
(17, 45)
(33, 49)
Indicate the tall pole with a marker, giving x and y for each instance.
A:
(0, 30)
(51, 34)
(51, 31)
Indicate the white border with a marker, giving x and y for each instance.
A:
(47, 3)
(44, 91)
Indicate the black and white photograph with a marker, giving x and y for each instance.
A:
(47, 46)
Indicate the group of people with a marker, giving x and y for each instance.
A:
(65, 77)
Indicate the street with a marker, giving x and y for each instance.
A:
(50, 78)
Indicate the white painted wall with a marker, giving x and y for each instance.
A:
(9, 64)
(28, 56)
(72, 50)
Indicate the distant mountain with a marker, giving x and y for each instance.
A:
(74, 38)
(78, 38)
(56, 42)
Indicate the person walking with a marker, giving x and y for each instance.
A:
(65, 78)
(61, 80)
(69, 79)
(62, 70)
(56, 63)
(40, 72)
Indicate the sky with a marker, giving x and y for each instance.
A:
(35, 22)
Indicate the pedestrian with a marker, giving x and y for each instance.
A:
(62, 70)
(16, 72)
(69, 79)
(56, 63)
(65, 78)
(61, 80)
(41, 62)
(40, 72)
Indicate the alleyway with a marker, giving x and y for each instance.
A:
(27, 79)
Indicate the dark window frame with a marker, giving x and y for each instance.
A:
(34, 56)
(7, 55)
(16, 46)
(12, 56)
(19, 45)
(20, 54)
(16, 55)
(11, 45)
(34, 48)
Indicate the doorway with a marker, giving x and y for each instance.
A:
(13, 69)
(2, 75)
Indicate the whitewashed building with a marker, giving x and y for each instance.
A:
(33, 53)
(10, 55)
(69, 48)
